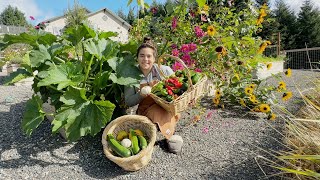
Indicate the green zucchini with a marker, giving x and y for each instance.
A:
(117, 147)
(135, 142)
(142, 142)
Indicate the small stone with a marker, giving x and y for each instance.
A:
(175, 144)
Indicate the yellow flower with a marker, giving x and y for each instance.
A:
(241, 101)
(269, 65)
(264, 108)
(237, 77)
(262, 48)
(282, 85)
(211, 31)
(216, 100)
(248, 90)
(288, 72)
(255, 109)
(252, 86)
(252, 98)
(272, 117)
(205, 7)
(259, 20)
(286, 96)
(218, 93)
(256, 102)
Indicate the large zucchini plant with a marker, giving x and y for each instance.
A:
(81, 73)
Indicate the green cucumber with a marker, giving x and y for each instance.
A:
(117, 147)
(142, 142)
(135, 142)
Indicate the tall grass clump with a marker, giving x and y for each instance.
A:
(301, 139)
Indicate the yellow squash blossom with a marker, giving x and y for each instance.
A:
(272, 117)
(286, 96)
(248, 90)
(288, 72)
(211, 31)
(264, 108)
(269, 65)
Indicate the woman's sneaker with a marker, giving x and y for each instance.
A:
(175, 144)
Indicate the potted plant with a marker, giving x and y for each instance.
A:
(81, 74)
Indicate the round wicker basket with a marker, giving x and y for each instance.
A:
(134, 162)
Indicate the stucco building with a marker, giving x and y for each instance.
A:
(102, 20)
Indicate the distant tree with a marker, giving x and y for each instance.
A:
(75, 15)
(308, 26)
(286, 23)
(12, 16)
(121, 14)
(131, 17)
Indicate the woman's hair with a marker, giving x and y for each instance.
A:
(148, 43)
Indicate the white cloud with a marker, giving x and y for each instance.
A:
(295, 5)
(28, 7)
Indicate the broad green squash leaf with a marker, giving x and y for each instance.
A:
(69, 74)
(21, 38)
(101, 80)
(131, 47)
(76, 35)
(126, 73)
(106, 35)
(201, 3)
(80, 116)
(96, 48)
(47, 39)
(39, 56)
(33, 115)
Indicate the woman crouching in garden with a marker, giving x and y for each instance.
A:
(146, 54)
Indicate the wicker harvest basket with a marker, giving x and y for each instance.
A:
(188, 98)
(134, 162)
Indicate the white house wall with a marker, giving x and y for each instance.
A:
(105, 22)
(54, 27)
(100, 21)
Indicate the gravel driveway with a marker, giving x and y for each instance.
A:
(226, 151)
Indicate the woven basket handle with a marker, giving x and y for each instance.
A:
(180, 61)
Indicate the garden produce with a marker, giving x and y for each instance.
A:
(139, 132)
(142, 142)
(173, 87)
(117, 147)
(146, 90)
(121, 135)
(126, 142)
(135, 142)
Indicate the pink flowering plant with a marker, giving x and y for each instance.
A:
(217, 40)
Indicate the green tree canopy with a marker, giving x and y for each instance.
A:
(76, 15)
(286, 22)
(12, 16)
(308, 26)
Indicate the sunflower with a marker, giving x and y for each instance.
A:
(248, 90)
(218, 93)
(255, 109)
(216, 100)
(286, 96)
(269, 65)
(272, 116)
(288, 72)
(252, 98)
(252, 86)
(256, 102)
(282, 85)
(264, 108)
(211, 31)
(262, 47)
(205, 8)
(241, 101)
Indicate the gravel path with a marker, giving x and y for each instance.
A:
(226, 151)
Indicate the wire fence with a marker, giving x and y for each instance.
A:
(12, 29)
(303, 58)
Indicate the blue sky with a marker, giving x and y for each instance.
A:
(45, 9)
